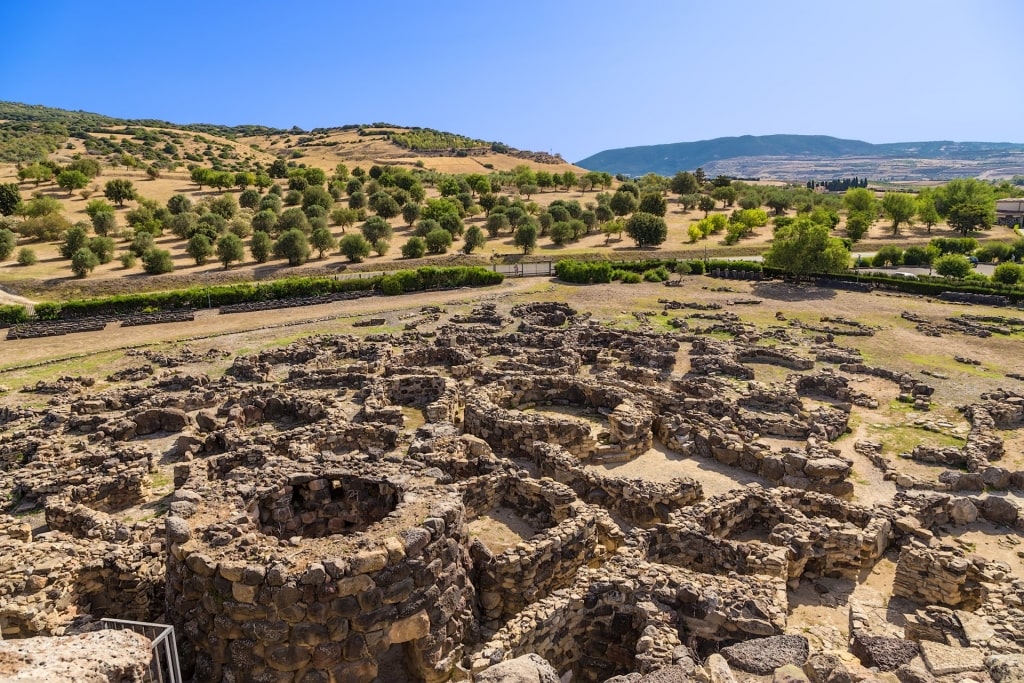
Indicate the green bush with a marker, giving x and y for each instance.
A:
(628, 277)
(12, 314)
(48, 310)
(659, 274)
(583, 272)
(954, 245)
(887, 255)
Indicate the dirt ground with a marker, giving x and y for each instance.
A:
(818, 608)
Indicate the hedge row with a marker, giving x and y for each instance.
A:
(12, 314)
(588, 272)
(222, 295)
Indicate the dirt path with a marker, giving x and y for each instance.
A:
(210, 323)
(8, 298)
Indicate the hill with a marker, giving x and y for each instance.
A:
(31, 132)
(801, 157)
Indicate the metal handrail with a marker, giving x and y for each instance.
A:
(163, 666)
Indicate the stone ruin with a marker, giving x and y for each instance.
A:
(443, 504)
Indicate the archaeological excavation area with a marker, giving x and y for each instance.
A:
(699, 485)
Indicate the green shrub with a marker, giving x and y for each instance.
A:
(888, 255)
(12, 314)
(954, 245)
(629, 278)
(26, 257)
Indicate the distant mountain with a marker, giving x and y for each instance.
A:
(801, 157)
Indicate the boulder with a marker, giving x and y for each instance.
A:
(999, 510)
(888, 654)
(160, 420)
(943, 660)
(764, 655)
(826, 668)
(718, 669)
(1006, 668)
(790, 673)
(963, 511)
(529, 668)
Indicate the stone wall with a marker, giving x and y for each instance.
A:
(307, 608)
(570, 534)
(943, 575)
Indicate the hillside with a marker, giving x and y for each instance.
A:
(801, 157)
(31, 132)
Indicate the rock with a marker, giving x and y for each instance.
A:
(963, 511)
(790, 673)
(160, 420)
(109, 655)
(826, 668)
(888, 654)
(529, 668)
(411, 628)
(943, 659)
(913, 674)
(999, 510)
(764, 655)
(178, 530)
(719, 669)
(1006, 668)
(669, 674)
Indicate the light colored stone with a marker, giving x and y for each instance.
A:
(943, 659)
(411, 628)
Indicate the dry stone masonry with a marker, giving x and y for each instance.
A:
(448, 503)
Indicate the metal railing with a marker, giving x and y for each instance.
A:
(163, 666)
(533, 269)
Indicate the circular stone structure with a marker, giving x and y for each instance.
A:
(343, 570)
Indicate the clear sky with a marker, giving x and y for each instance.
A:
(549, 75)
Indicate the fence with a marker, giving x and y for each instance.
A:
(537, 269)
(164, 666)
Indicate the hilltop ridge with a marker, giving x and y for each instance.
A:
(799, 157)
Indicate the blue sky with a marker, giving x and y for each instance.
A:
(551, 75)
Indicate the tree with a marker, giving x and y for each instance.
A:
(72, 180)
(410, 212)
(684, 183)
(899, 207)
(292, 245)
(90, 167)
(200, 248)
(706, 204)
(157, 261)
(74, 239)
(260, 246)
(355, 247)
(804, 247)
(953, 266)
(474, 239)
(967, 204)
(496, 222)
(119, 190)
(128, 259)
(653, 203)
(623, 203)
(323, 241)
(526, 237)
(860, 199)
(10, 197)
(83, 261)
(249, 199)
(244, 179)
(438, 241)
(778, 201)
(229, 248)
(7, 243)
(646, 229)
(725, 194)
(36, 172)
(278, 169)
(857, 224)
(152, 172)
(376, 228)
(201, 176)
(103, 247)
(293, 218)
(415, 247)
(926, 211)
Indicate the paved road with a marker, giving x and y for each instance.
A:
(983, 268)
